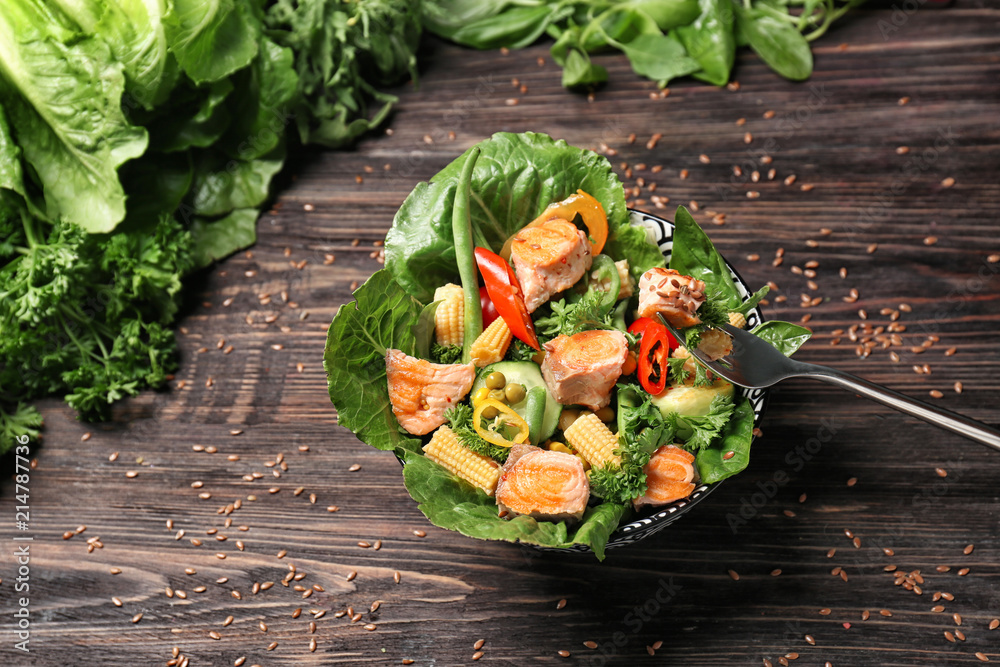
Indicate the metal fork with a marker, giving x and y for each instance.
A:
(755, 364)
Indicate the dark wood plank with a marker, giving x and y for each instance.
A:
(839, 133)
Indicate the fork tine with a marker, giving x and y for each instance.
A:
(731, 371)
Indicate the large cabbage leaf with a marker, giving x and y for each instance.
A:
(516, 177)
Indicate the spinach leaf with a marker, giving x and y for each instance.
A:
(785, 336)
(693, 254)
(580, 71)
(709, 40)
(516, 177)
(778, 43)
(659, 57)
(666, 14)
(736, 437)
(516, 28)
(380, 317)
(453, 504)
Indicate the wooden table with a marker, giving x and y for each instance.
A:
(905, 197)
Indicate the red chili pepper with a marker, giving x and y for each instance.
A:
(654, 349)
(505, 293)
(639, 326)
(489, 310)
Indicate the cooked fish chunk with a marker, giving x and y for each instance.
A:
(581, 369)
(546, 485)
(669, 476)
(549, 258)
(420, 391)
(673, 294)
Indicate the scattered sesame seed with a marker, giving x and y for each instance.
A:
(561, 603)
(564, 653)
(934, 393)
(948, 182)
(734, 575)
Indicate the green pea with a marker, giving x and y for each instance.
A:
(499, 395)
(489, 412)
(496, 380)
(515, 392)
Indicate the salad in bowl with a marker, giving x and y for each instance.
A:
(512, 352)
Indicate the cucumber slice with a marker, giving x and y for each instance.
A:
(530, 375)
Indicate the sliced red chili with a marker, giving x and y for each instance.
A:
(505, 293)
(654, 350)
(639, 326)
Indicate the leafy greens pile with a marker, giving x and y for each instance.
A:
(138, 140)
(515, 177)
(663, 39)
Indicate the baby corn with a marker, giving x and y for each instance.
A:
(478, 470)
(449, 327)
(490, 346)
(593, 440)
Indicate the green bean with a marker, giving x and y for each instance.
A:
(534, 413)
(461, 222)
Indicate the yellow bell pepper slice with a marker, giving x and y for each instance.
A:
(594, 217)
(506, 416)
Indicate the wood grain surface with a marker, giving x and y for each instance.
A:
(877, 170)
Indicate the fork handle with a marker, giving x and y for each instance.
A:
(952, 421)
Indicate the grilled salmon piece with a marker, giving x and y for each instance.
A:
(669, 476)
(673, 294)
(581, 369)
(543, 484)
(549, 258)
(420, 391)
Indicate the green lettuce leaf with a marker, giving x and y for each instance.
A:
(218, 239)
(268, 87)
(516, 177)
(381, 317)
(211, 39)
(456, 505)
(62, 93)
(222, 184)
(134, 32)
